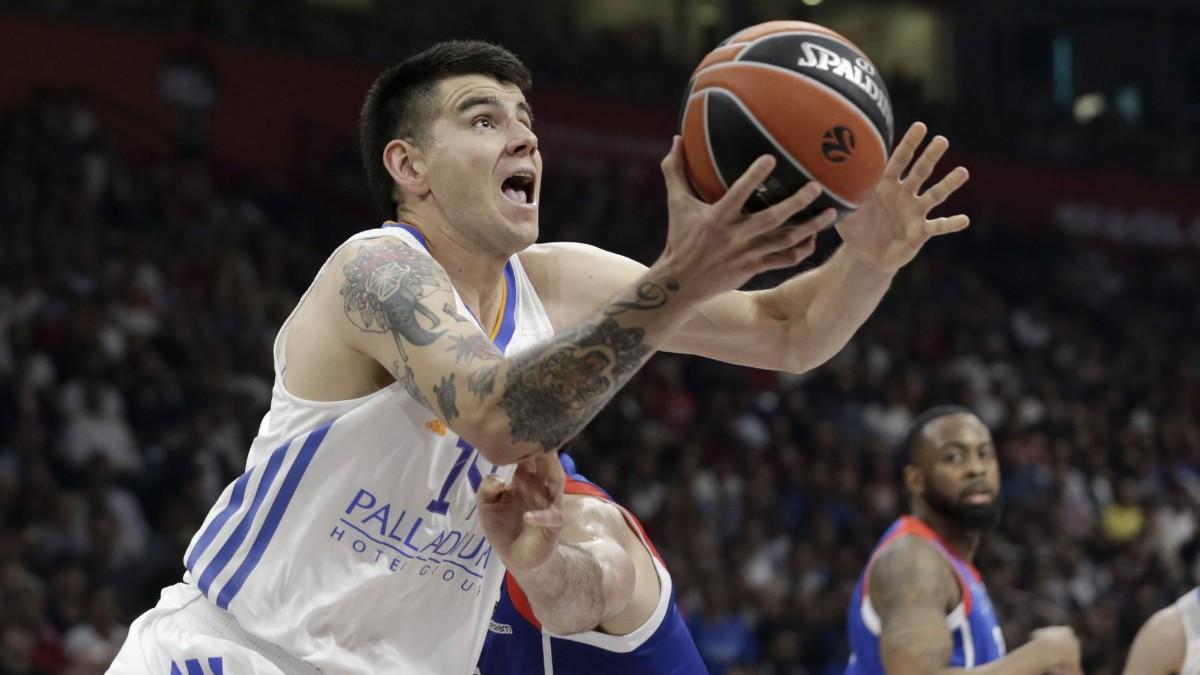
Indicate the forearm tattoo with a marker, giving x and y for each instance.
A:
(650, 295)
(553, 392)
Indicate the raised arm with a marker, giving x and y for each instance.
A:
(805, 321)
(913, 588)
(1160, 645)
(794, 327)
(397, 306)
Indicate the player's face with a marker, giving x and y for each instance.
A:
(484, 167)
(962, 476)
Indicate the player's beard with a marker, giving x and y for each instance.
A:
(966, 516)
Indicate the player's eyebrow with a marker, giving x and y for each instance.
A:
(472, 101)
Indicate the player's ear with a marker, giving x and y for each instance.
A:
(406, 164)
(914, 481)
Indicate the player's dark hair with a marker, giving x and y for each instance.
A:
(908, 450)
(398, 104)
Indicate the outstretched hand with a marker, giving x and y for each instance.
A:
(719, 247)
(889, 229)
(523, 518)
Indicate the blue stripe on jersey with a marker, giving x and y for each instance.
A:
(210, 532)
(508, 324)
(193, 667)
(217, 665)
(568, 464)
(411, 230)
(274, 515)
(175, 669)
(225, 554)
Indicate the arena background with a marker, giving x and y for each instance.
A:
(173, 173)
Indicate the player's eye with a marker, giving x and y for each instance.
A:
(484, 123)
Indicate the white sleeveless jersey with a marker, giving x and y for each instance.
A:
(1189, 613)
(351, 540)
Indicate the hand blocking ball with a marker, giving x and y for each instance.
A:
(797, 91)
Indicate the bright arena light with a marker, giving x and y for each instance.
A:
(1088, 107)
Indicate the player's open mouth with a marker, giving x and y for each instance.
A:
(978, 496)
(518, 188)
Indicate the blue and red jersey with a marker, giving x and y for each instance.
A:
(972, 624)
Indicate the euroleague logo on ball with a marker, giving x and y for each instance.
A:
(838, 145)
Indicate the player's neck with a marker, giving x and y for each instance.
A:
(963, 541)
(477, 275)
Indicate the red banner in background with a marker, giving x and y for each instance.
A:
(279, 113)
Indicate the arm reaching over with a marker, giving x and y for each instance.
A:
(913, 589)
(1160, 645)
(805, 321)
(396, 300)
(570, 555)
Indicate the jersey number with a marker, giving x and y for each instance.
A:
(466, 455)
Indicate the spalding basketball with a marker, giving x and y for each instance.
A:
(800, 92)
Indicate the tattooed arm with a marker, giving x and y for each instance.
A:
(401, 312)
(396, 300)
(913, 589)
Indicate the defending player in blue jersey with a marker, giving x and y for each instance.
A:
(920, 607)
(586, 592)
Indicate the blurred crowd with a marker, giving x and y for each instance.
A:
(139, 300)
(631, 61)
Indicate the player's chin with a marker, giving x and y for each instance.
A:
(521, 221)
(980, 516)
(522, 215)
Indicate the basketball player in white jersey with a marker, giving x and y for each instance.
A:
(1169, 642)
(444, 346)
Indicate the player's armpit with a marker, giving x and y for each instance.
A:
(912, 589)
(1160, 645)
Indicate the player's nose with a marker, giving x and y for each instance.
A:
(523, 141)
(975, 466)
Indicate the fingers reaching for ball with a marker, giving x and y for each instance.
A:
(675, 173)
(734, 200)
(903, 153)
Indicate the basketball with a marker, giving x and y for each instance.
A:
(800, 92)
